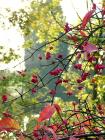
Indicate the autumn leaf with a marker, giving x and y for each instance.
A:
(73, 38)
(8, 124)
(46, 113)
(88, 47)
(83, 33)
(87, 18)
(94, 6)
(87, 123)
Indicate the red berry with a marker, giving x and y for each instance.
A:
(56, 71)
(80, 87)
(78, 55)
(79, 80)
(6, 114)
(69, 93)
(59, 81)
(4, 98)
(34, 79)
(65, 81)
(84, 76)
(78, 66)
(52, 92)
(60, 56)
(48, 55)
(99, 67)
(40, 56)
(91, 58)
(33, 90)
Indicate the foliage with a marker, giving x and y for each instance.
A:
(42, 23)
(80, 73)
(9, 56)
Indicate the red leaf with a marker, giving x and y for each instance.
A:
(87, 18)
(46, 113)
(94, 6)
(90, 48)
(72, 37)
(67, 27)
(8, 124)
(84, 34)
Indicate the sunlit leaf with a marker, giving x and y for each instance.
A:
(87, 18)
(8, 124)
(88, 47)
(46, 113)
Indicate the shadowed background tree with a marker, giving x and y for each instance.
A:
(44, 23)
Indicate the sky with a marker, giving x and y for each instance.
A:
(12, 38)
(70, 7)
